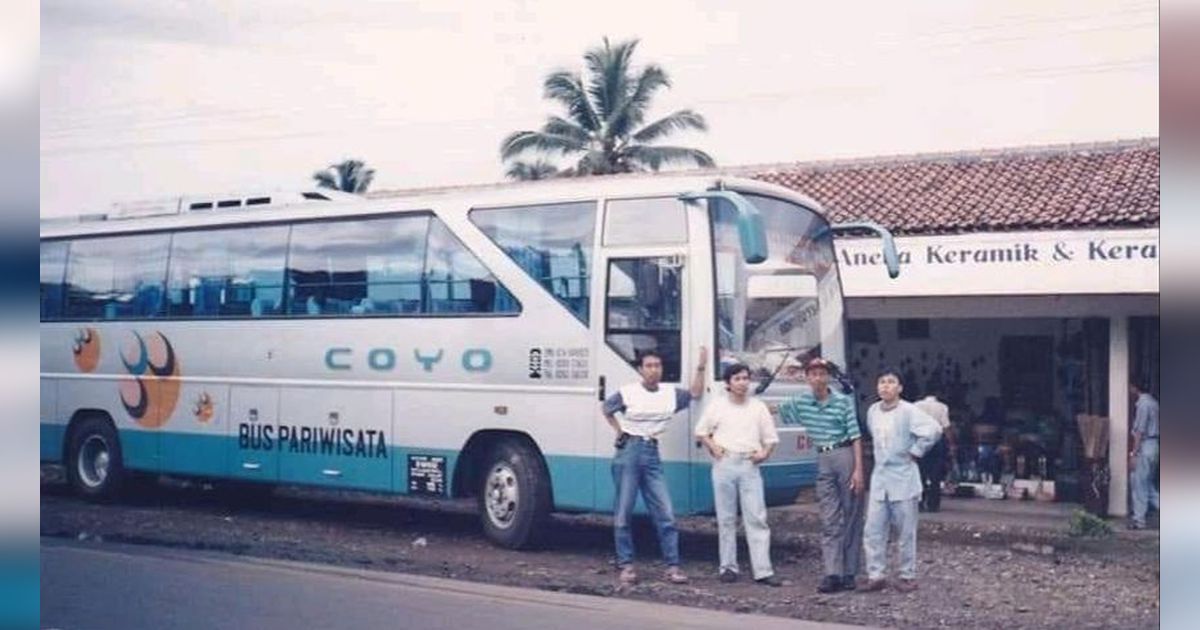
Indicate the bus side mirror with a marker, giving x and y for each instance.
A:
(752, 234)
(890, 257)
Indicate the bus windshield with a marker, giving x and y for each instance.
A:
(776, 314)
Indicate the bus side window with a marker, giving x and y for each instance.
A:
(551, 243)
(53, 271)
(118, 277)
(227, 272)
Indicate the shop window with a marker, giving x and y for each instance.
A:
(912, 328)
(863, 331)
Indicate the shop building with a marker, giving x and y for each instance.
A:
(1029, 294)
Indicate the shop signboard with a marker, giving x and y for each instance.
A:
(1006, 263)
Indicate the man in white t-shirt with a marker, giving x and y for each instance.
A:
(739, 433)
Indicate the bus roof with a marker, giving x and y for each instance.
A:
(149, 217)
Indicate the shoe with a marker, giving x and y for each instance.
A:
(628, 575)
(675, 576)
(848, 583)
(875, 585)
(770, 580)
(906, 585)
(1136, 525)
(728, 577)
(830, 584)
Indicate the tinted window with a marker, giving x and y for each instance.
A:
(54, 263)
(457, 281)
(383, 267)
(552, 243)
(227, 273)
(119, 277)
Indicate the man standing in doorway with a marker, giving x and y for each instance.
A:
(1143, 455)
(933, 464)
(740, 434)
(829, 419)
(900, 433)
(645, 409)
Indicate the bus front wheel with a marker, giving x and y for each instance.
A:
(95, 468)
(514, 495)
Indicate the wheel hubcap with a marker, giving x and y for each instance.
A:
(501, 496)
(93, 461)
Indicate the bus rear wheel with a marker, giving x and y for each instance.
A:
(514, 495)
(95, 468)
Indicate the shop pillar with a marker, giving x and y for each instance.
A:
(1118, 413)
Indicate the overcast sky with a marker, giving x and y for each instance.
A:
(143, 100)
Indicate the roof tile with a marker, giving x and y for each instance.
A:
(1106, 184)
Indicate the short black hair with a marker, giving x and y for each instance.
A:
(887, 371)
(641, 357)
(1140, 383)
(733, 370)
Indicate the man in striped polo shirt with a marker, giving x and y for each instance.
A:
(829, 419)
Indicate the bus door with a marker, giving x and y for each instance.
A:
(642, 276)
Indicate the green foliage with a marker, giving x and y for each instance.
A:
(604, 130)
(350, 176)
(1084, 524)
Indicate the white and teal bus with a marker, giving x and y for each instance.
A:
(450, 344)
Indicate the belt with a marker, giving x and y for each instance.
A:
(645, 438)
(1150, 437)
(834, 447)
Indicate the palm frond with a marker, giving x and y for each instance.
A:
(567, 88)
(609, 81)
(522, 141)
(632, 109)
(556, 126)
(655, 158)
(528, 171)
(325, 179)
(676, 121)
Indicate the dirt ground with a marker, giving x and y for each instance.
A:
(970, 575)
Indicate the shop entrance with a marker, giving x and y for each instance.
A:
(1014, 387)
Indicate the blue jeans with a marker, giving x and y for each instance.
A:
(636, 466)
(1144, 493)
(737, 479)
(881, 517)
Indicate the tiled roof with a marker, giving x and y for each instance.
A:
(1111, 184)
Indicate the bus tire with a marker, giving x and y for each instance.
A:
(95, 468)
(514, 495)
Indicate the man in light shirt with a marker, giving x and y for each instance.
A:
(1143, 454)
(739, 433)
(933, 464)
(900, 433)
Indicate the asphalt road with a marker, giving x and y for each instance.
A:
(98, 586)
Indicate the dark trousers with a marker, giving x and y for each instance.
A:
(933, 470)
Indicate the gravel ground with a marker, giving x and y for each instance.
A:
(970, 575)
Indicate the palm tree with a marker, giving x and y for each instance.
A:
(350, 176)
(604, 127)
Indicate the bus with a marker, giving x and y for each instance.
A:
(448, 344)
